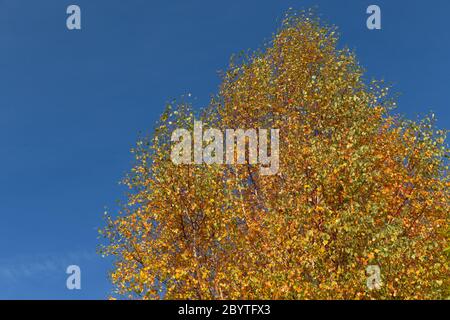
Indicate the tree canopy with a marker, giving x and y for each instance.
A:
(357, 185)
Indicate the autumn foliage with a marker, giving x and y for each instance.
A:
(357, 186)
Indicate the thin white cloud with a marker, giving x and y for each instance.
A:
(43, 265)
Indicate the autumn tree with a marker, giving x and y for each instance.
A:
(357, 185)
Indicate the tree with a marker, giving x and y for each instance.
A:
(357, 186)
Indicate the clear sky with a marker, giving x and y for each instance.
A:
(72, 104)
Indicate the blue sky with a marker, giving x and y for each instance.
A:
(73, 102)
